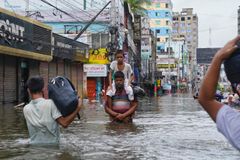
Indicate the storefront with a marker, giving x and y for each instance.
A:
(68, 60)
(95, 70)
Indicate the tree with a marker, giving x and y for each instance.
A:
(136, 6)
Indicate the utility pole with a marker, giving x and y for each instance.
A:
(113, 13)
(183, 59)
(169, 52)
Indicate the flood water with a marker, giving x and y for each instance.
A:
(167, 128)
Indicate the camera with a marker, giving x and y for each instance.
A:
(232, 66)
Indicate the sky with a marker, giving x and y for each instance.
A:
(218, 16)
(217, 19)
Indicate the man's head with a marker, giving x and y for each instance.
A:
(119, 55)
(119, 80)
(35, 84)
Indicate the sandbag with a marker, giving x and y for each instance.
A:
(64, 95)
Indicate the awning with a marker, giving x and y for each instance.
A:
(25, 54)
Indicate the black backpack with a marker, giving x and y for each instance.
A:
(63, 94)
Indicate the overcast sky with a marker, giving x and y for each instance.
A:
(218, 15)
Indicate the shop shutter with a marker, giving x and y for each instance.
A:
(67, 69)
(33, 68)
(1, 78)
(43, 69)
(74, 75)
(80, 81)
(91, 88)
(10, 80)
(60, 68)
(52, 70)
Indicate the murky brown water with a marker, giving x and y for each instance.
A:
(167, 128)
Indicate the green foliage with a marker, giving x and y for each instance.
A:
(136, 6)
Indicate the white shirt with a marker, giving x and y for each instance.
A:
(41, 115)
(228, 123)
(128, 89)
(127, 69)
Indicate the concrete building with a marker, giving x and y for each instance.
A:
(185, 25)
(160, 14)
(148, 50)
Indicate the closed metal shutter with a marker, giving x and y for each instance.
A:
(74, 75)
(91, 88)
(1, 78)
(44, 73)
(52, 70)
(67, 69)
(80, 81)
(60, 68)
(10, 80)
(33, 68)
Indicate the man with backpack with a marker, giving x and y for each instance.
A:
(42, 116)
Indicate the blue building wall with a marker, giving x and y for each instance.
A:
(58, 27)
(160, 14)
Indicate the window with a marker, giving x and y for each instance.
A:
(167, 30)
(158, 22)
(182, 18)
(158, 30)
(166, 39)
(159, 48)
(157, 14)
(166, 14)
(158, 39)
(188, 18)
(166, 5)
(167, 22)
(158, 5)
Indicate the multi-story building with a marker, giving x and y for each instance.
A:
(148, 49)
(160, 14)
(185, 25)
(239, 20)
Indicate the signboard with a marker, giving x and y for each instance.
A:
(205, 55)
(98, 56)
(95, 70)
(165, 60)
(24, 37)
(166, 65)
(62, 48)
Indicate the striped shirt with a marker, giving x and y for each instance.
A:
(120, 102)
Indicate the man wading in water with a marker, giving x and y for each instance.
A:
(118, 106)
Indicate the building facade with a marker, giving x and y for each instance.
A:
(185, 25)
(160, 14)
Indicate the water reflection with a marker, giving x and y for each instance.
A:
(170, 127)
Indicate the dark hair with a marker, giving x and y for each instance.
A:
(35, 84)
(119, 52)
(119, 74)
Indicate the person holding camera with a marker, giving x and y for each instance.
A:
(226, 118)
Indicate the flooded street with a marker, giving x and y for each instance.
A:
(168, 128)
